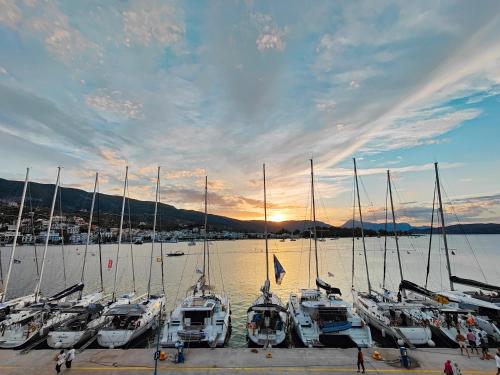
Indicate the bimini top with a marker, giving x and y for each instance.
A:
(199, 303)
(130, 310)
(267, 307)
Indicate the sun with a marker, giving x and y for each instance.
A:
(277, 217)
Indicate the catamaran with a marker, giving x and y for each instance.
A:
(131, 316)
(319, 316)
(267, 318)
(203, 317)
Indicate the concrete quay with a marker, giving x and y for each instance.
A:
(242, 361)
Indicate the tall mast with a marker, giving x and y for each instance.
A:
(385, 236)
(130, 240)
(314, 219)
(265, 224)
(206, 265)
(394, 225)
(445, 241)
(99, 235)
(121, 231)
(38, 285)
(353, 230)
(88, 232)
(430, 237)
(19, 217)
(154, 231)
(362, 230)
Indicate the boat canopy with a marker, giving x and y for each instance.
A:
(129, 310)
(477, 284)
(66, 292)
(267, 307)
(327, 287)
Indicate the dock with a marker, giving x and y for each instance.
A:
(243, 361)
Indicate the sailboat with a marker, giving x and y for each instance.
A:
(319, 316)
(6, 306)
(34, 321)
(400, 319)
(90, 317)
(267, 318)
(203, 317)
(451, 303)
(131, 316)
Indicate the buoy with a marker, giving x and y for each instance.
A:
(377, 356)
(163, 356)
(431, 343)
(269, 355)
(383, 332)
(401, 342)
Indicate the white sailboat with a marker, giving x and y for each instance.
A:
(267, 318)
(319, 316)
(9, 305)
(400, 319)
(90, 316)
(203, 317)
(34, 321)
(448, 305)
(130, 316)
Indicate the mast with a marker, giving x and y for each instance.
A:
(206, 270)
(353, 230)
(120, 232)
(38, 285)
(443, 227)
(154, 231)
(362, 230)
(394, 225)
(99, 235)
(430, 238)
(314, 220)
(88, 232)
(19, 216)
(265, 225)
(385, 236)
(130, 240)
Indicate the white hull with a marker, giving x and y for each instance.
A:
(274, 334)
(215, 329)
(371, 312)
(304, 318)
(112, 337)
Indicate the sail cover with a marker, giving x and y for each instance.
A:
(477, 284)
(66, 292)
(327, 287)
(279, 271)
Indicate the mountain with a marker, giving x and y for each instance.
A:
(79, 201)
(480, 228)
(402, 227)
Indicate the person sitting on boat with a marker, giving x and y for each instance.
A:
(448, 320)
(404, 319)
(471, 321)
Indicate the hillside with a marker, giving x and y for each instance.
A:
(79, 201)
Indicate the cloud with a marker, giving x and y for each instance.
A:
(152, 20)
(9, 13)
(326, 105)
(271, 38)
(114, 102)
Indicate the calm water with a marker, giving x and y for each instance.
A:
(238, 267)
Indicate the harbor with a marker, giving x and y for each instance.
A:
(244, 361)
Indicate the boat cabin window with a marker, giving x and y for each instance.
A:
(196, 317)
(332, 314)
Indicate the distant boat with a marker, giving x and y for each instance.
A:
(282, 240)
(175, 254)
(138, 242)
(17, 261)
(191, 243)
(172, 240)
(293, 239)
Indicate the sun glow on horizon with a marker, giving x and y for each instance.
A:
(277, 217)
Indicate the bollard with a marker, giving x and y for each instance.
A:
(404, 358)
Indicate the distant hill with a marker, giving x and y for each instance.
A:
(78, 201)
(488, 228)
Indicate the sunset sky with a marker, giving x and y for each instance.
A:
(220, 87)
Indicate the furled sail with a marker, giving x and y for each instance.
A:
(66, 292)
(477, 284)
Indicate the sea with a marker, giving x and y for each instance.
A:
(237, 268)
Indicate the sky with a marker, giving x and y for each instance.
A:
(218, 88)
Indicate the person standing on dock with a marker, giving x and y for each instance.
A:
(448, 369)
(361, 361)
(471, 337)
(461, 343)
(60, 359)
(70, 356)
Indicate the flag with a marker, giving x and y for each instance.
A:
(279, 271)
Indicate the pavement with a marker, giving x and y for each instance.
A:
(242, 361)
